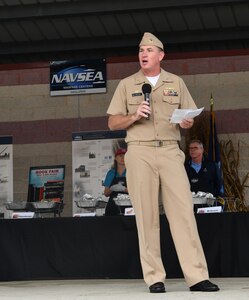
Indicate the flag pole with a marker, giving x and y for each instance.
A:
(211, 103)
(212, 126)
(213, 149)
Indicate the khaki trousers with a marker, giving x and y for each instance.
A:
(150, 169)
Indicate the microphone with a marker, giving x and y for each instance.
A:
(146, 89)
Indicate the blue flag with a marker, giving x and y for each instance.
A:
(214, 147)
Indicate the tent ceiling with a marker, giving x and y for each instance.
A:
(38, 30)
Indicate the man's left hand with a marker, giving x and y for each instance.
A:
(186, 123)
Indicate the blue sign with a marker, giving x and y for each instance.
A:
(77, 77)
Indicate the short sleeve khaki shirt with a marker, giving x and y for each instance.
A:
(169, 93)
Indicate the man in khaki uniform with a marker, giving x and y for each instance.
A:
(155, 163)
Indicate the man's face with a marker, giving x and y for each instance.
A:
(195, 150)
(150, 58)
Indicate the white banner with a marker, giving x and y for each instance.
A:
(93, 156)
(6, 174)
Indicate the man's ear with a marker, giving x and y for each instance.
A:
(162, 53)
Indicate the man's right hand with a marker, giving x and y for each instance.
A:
(117, 122)
(143, 110)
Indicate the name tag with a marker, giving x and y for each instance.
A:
(136, 94)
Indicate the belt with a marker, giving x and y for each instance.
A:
(156, 143)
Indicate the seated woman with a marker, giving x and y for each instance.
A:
(115, 183)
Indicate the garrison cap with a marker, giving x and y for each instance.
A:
(150, 40)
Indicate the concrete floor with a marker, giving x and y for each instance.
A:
(231, 288)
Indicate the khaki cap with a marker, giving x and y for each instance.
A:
(150, 40)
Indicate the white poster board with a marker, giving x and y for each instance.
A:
(6, 173)
(92, 157)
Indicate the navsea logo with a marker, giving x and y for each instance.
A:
(78, 74)
(77, 77)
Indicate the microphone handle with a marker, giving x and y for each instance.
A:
(147, 99)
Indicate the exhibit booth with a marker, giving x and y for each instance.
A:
(107, 247)
(37, 243)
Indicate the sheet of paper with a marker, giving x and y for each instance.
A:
(180, 114)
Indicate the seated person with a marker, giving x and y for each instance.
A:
(115, 183)
(202, 173)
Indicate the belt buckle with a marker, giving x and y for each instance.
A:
(159, 143)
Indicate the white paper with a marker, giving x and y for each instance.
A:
(180, 114)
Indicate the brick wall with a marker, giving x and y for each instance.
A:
(41, 125)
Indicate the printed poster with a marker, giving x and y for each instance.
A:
(46, 183)
(93, 156)
(6, 173)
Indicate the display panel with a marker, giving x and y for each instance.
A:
(6, 173)
(93, 156)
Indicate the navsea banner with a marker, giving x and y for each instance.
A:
(77, 77)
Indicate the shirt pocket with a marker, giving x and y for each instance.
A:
(133, 103)
(170, 103)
